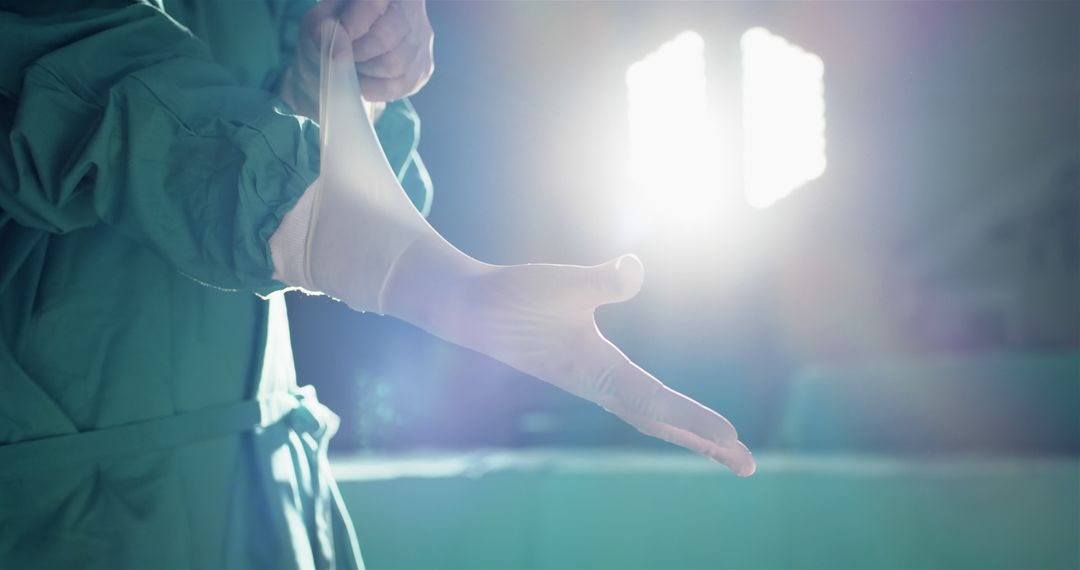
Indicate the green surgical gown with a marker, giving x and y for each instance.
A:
(149, 414)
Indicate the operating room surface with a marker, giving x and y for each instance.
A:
(610, 509)
(825, 494)
(896, 340)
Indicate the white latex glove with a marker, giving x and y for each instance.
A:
(356, 236)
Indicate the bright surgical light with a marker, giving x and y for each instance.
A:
(669, 138)
(783, 117)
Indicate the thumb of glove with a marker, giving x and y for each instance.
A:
(619, 279)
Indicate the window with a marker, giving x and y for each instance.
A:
(783, 117)
(670, 136)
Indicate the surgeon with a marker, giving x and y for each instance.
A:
(161, 179)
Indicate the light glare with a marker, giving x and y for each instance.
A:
(783, 117)
(670, 142)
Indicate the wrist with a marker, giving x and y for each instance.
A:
(288, 243)
(429, 278)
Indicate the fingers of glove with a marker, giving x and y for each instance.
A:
(397, 62)
(636, 396)
(386, 34)
(416, 12)
(736, 458)
(359, 16)
(627, 390)
(383, 89)
(671, 407)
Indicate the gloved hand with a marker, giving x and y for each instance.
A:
(392, 48)
(355, 236)
(539, 319)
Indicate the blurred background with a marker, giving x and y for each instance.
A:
(860, 223)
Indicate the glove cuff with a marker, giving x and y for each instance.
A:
(288, 244)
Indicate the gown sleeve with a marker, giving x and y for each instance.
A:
(121, 116)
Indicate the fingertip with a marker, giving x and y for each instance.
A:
(630, 275)
(747, 465)
(749, 470)
(738, 460)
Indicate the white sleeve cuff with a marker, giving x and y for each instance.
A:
(288, 244)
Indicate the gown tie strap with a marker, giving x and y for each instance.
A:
(298, 409)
